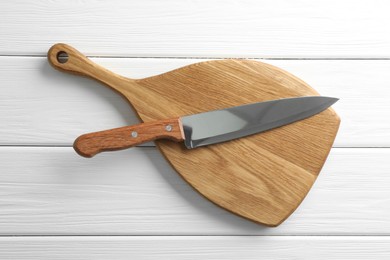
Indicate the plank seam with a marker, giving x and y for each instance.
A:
(203, 58)
(284, 236)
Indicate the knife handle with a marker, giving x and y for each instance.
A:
(66, 58)
(90, 144)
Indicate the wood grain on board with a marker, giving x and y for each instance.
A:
(263, 177)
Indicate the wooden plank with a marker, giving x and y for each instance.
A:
(40, 106)
(172, 247)
(177, 28)
(53, 191)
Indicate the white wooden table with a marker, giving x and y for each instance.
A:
(131, 204)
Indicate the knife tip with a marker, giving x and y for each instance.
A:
(330, 100)
(334, 100)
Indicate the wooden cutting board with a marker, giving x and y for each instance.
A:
(263, 177)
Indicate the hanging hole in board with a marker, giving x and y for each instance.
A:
(62, 57)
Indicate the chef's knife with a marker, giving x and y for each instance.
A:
(208, 127)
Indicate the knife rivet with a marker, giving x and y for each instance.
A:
(134, 134)
(168, 128)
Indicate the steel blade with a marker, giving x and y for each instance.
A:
(235, 122)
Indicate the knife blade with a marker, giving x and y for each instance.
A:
(206, 128)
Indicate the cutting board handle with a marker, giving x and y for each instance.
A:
(88, 145)
(66, 58)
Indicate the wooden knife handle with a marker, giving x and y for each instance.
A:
(88, 145)
(66, 58)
